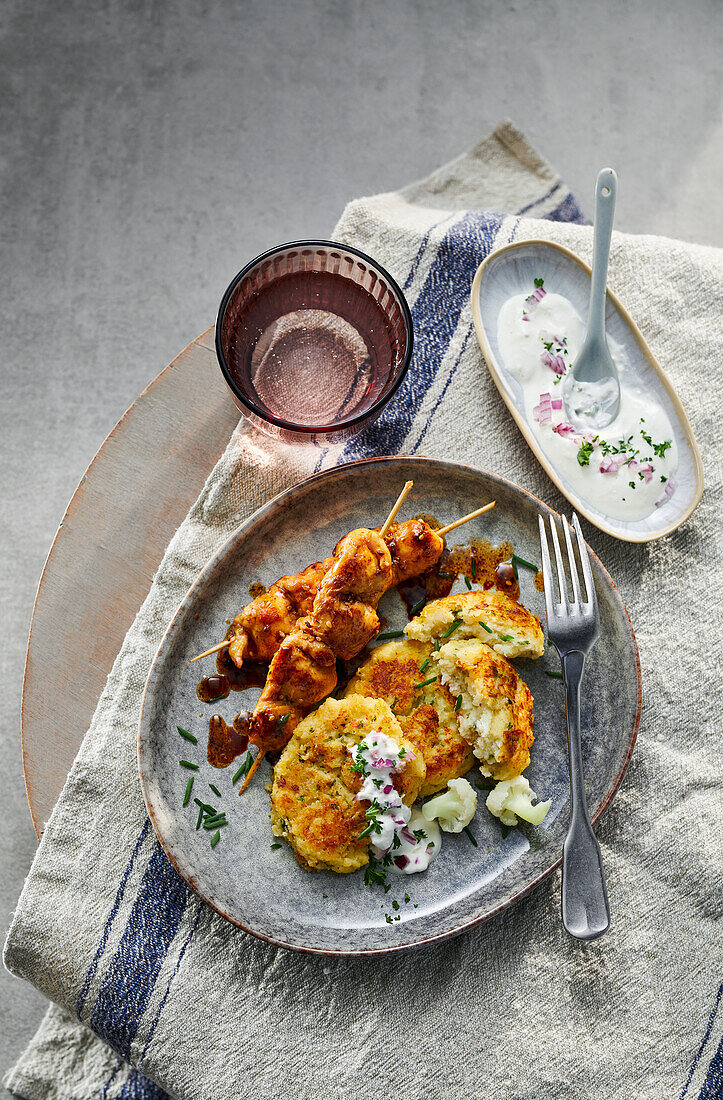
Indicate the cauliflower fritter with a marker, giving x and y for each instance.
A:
(500, 622)
(495, 714)
(426, 714)
(313, 803)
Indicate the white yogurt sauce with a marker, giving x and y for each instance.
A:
(627, 469)
(398, 836)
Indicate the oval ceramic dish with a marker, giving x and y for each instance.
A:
(263, 889)
(512, 270)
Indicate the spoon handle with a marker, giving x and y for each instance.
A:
(605, 193)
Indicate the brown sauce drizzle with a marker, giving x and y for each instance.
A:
(230, 678)
(211, 688)
(485, 565)
(226, 742)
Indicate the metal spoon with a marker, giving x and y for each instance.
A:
(591, 390)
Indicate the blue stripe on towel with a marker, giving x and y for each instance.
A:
(128, 984)
(713, 1085)
(567, 211)
(701, 1048)
(177, 967)
(539, 202)
(435, 315)
(111, 917)
(138, 1087)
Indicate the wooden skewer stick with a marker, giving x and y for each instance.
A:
(259, 757)
(399, 502)
(464, 519)
(213, 649)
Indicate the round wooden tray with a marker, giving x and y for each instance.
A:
(105, 553)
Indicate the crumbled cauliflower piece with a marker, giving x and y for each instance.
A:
(454, 808)
(514, 797)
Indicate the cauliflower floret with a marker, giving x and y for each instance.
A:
(454, 808)
(514, 797)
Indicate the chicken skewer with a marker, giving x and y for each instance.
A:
(343, 619)
(258, 630)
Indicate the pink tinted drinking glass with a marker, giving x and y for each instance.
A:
(313, 339)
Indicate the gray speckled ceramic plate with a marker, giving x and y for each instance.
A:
(264, 890)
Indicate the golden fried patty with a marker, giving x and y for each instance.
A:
(313, 801)
(502, 623)
(495, 713)
(426, 713)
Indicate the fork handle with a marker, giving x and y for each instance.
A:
(585, 910)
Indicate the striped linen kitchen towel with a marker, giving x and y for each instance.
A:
(153, 994)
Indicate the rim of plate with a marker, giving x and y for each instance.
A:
(211, 564)
(527, 433)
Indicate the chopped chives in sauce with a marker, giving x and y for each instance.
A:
(517, 560)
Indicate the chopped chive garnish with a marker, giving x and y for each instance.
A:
(390, 634)
(188, 736)
(282, 719)
(208, 809)
(473, 567)
(188, 764)
(425, 664)
(485, 627)
(436, 645)
(453, 627)
(187, 795)
(200, 816)
(244, 769)
(458, 704)
(215, 839)
(215, 823)
(469, 834)
(517, 560)
(445, 576)
(273, 849)
(215, 790)
(506, 637)
(468, 582)
(423, 683)
(418, 606)
(553, 675)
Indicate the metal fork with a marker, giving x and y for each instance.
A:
(573, 627)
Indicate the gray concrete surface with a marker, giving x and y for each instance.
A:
(149, 149)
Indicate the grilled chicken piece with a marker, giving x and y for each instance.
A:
(257, 631)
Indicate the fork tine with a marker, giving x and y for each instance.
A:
(546, 571)
(560, 566)
(585, 562)
(573, 563)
